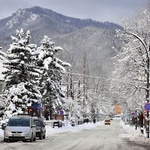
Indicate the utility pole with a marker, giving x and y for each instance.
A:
(84, 78)
(79, 93)
(147, 49)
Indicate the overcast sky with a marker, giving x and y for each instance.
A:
(100, 10)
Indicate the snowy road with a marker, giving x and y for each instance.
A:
(100, 138)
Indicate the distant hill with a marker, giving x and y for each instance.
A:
(87, 43)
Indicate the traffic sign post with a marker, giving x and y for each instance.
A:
(147, 109)
(132, 114)
(145, 114)
(147, 106)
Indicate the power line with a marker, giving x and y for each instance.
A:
(97, 77)
(84, 75)
(120, 80)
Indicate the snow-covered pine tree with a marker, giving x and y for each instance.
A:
(53, 68)
(21, 74)
(2, 55)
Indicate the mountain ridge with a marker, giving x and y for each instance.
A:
(79, 37)
(72, 21)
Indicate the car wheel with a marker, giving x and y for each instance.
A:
(41, 136)
(34, 138)
(31, 140)
(6, 140)
(44, 136)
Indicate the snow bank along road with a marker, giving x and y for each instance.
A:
(104, 137)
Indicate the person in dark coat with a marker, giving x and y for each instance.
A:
(94, 120)
(46, 114)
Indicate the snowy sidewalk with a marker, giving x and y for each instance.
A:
(134, 135)
(52, 131)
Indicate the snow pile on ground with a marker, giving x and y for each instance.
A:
(68, 128)
(134, 135)
(65, 129)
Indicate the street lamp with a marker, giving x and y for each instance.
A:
(147, 49)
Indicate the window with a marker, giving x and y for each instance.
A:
(19, 122)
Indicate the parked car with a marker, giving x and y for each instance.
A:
(40, 127)
(20, 127)
(73, 122)
(107, 122)
(117, 117)
(57, 123)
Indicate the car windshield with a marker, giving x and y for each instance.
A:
(19, 122)
(107, 120)
(38, 123)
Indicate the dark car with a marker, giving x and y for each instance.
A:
(57, 123)
(40, 127)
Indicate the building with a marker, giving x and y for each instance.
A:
(117, 109)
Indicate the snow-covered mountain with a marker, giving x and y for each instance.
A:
(80, 38)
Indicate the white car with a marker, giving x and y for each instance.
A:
(117, 117)
(20, 128)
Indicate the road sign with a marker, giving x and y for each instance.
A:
(61, 112)
(147, 106)
(132, 114)
(145, 114)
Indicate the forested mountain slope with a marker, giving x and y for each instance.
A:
(87, 44)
